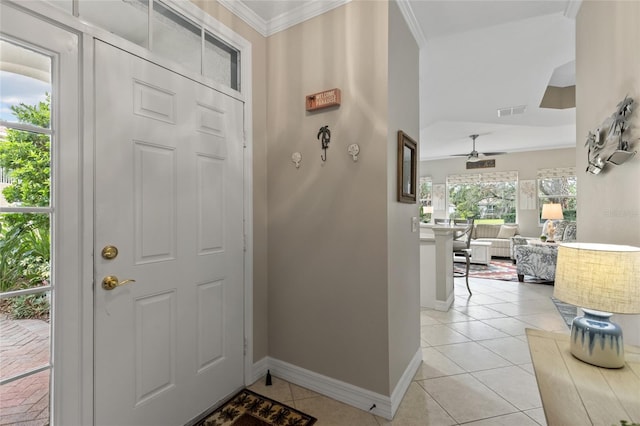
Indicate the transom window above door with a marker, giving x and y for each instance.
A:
(166, 31)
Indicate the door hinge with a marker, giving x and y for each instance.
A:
(244, 139)
(244, 242)
(244, 349)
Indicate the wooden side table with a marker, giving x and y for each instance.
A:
(576, 393)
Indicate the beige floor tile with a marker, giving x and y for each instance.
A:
(518, 419)
(477, 330)
(510, 348)
(418, 408)
(425, 319)
(440, 334)
(513, 384)
(298, 392)
(434, 364)
(546, 321)
(528, 367)
(447, 317)
(511, 326)
(480, 312)
(472, 357)
(483, 299)
(330, 412)
(537, 414)
(279, 390)
(465, 398)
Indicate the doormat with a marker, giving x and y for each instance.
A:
(567, 312)
(247, 408)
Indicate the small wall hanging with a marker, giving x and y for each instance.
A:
(353, 151)
(296, 157)
(325, 133)
(611, 130)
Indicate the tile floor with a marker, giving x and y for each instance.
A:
(476, 367)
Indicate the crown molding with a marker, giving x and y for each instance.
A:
(573, 6)
(412, 22)
(243, 12)
(305, 11)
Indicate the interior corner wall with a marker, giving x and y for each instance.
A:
(525, 163)
(608, 69)
(404, 249)
(327, 248)
(259, 112)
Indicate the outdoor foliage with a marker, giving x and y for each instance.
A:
(560, 190)
(486, 200)
(24, 237)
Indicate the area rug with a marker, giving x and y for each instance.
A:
(498, 269)
(567, 312)
(247, 408)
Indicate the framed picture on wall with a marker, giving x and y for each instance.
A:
(407, 168)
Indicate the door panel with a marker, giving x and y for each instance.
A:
(168, 194)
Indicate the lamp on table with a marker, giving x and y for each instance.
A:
(602, 279)
(551, 212)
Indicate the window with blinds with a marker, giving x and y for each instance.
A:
(488, 197)
(558, 185)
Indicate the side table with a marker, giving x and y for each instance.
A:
(576, 393)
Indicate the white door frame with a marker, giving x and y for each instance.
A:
(75, 353)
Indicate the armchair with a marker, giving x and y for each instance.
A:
(537, 260)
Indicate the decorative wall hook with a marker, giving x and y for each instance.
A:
(326, 138)
(296, 157)
(354, 150)
(597, 140)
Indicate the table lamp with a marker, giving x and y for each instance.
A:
(551, 212)
(602, 279)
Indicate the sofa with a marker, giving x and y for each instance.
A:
(498, 235)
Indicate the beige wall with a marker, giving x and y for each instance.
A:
(327, 221)
(525, 163)
(607, 69)
(259, 64)
(404, 251)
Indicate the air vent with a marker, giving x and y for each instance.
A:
(514, 110)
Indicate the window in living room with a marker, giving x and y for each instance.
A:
(425, 205)
(558, 185)
(488, 197)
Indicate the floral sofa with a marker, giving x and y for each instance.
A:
(539, 260)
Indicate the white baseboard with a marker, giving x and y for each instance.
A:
(259, 370)
(444, 305)
(404, 382)
(355, 396)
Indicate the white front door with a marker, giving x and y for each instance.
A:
(169, 197)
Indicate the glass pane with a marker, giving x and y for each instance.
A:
(176, 38)
(25, 251)
(25, 83)
(126, 18)
(220, 62)
(24, 401)
(25, 160)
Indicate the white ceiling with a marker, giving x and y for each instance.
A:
(477, 56)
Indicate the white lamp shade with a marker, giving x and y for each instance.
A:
(552, 211)
(604, 277)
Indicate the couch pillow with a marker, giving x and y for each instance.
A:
(570, 232)
(486, 230)
(507, 231)
(560, 225)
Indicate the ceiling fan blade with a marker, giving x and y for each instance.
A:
(459, 155)
(491, 154)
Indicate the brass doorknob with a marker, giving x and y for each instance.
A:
(110, 252)
(111, 281)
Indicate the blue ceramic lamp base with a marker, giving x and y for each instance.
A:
(596, 340)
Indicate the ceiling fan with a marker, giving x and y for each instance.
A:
(475, 155)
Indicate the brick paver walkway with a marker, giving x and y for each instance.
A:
(24, 345)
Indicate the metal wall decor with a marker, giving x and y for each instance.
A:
(354, 150)
(612, 130)
(325, 134)
(296, 157)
